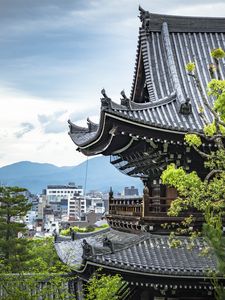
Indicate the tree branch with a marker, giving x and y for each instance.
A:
(202, 115)
(211, 173)
(218, 71)
(201, 153)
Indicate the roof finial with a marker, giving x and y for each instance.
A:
(104, 93)
(124, 101)
(106, 101)
(143, 13)
(87, 250)
(91, 125)
(110, 192)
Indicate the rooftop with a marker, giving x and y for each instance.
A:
(145, 252)
(161, 87)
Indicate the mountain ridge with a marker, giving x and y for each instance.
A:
(34, 176)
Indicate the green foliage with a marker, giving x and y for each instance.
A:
(66, 232)
(216, 160)
(43, 258)
(210, 129)
(40, 276)
(190, 67)
(14, 206)
(218, 53)
(219, 105)
(102, 287)
(205, 196)
(193, 140)
(104, 226)
(216, 87)
(34, 287)
(189, 187)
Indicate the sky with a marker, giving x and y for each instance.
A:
(55, 58)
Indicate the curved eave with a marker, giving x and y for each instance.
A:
(142, 273)
(162, 118)
(84, 137)
(105, 143)
(75, 128)
(97, 142)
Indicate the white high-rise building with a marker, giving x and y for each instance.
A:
(55, 193)
(76, 207)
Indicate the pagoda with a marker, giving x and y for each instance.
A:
(142, 135)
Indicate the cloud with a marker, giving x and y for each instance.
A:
(38, 146)
(62, 54)
(79, 115)
(25, 128)
(57, 121)
(51, 122)
(55, 127)
(43, 118)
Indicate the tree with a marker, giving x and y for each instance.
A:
(206, 195)
(13, 206)
(43, 258)
(41, 276)
(102, 287)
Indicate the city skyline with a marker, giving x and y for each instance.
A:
(55, 59)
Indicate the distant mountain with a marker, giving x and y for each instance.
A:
(36, 176)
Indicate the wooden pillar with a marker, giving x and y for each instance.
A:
(155, 193)
(110, 199)
(146, 201)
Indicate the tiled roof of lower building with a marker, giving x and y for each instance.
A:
(142, 252)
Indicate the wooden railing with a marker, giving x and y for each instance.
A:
(126, 206)
(157, 207)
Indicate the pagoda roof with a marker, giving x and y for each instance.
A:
(183, 23)
(163, 96)
(147, 253)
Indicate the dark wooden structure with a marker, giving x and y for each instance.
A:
(143, 134)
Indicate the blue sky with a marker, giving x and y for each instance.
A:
(55, 58)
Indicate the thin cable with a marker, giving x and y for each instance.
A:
(85, 179)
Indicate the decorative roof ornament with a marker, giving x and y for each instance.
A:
(87, 250)
(124, 101)
(76, 129)
(91, 125)
(186, 108)
(110, 192)
(144, 17)
(143, 14)
(108, 243)
(106, 101)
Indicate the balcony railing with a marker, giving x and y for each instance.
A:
(157, 207)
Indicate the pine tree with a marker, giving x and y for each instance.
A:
(13, 206)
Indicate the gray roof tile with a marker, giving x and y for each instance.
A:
(166, 45)
(142, 251)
